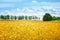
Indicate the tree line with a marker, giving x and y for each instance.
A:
(48, 17)
(11, 17)
(56, 18)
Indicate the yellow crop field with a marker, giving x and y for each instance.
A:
(29, 30)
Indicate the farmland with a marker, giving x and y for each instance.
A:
(29, 30)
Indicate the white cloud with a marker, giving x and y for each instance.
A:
(34, 1)
(32, 11)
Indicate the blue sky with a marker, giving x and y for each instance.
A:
(27, 7)
(27, 3)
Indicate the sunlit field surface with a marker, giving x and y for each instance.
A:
(29, 30)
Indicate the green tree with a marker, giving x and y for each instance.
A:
(30, 17)
(26, 17)
(2, 17)
(36, 17)
(58, 18)
(12, 17)
(15, 17)
(20, 17)
(47, 17)
(54, 18)
(33, 17)
(7, 17)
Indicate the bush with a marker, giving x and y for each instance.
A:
(47, 17)
(54, 18)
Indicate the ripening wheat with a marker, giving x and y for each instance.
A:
(29, 30)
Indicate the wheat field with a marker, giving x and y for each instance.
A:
(29, 30)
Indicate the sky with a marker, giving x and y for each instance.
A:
(30, 7)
